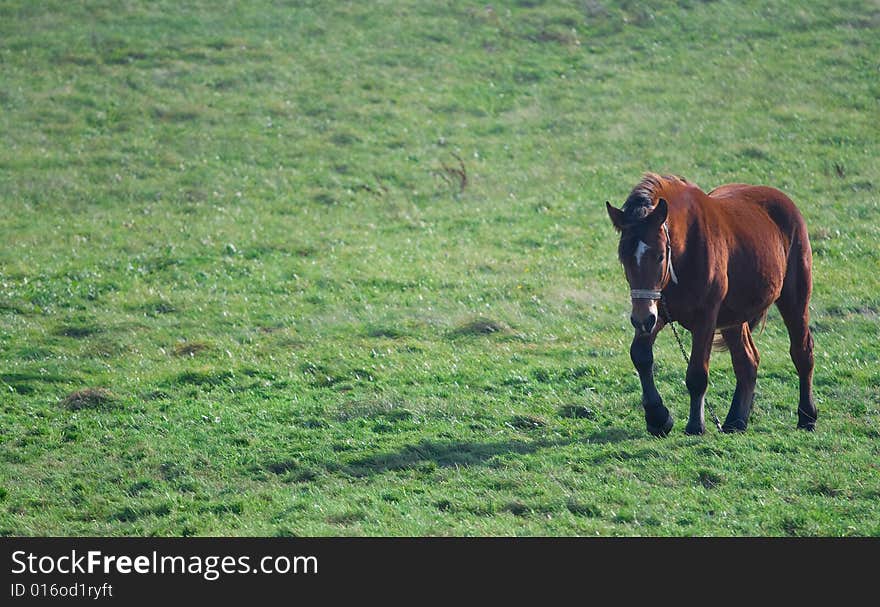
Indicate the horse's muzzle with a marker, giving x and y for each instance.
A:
(645, 325)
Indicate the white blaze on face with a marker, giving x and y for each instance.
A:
(640, 250)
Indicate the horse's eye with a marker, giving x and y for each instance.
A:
(659, 257)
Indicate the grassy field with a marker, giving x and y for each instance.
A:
(332, 268)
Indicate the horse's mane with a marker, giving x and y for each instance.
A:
(647, 192)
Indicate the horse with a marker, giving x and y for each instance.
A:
(715, 263)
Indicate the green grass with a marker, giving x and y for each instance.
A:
(243, 291)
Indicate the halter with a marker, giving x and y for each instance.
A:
(668, 271)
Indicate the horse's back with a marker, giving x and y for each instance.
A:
(765, 213)
(745, 199)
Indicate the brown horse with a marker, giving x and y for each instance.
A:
(715, 262)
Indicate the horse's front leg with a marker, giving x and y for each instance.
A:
(697, 379)
(657, 416)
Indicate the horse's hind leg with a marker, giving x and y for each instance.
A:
(793, 305)
(745, 359)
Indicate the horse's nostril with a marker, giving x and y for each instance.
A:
(650, 322)
(635, 322)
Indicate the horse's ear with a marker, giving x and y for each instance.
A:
(616, 216)
(660, 213)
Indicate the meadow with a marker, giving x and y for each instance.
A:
(344, 268)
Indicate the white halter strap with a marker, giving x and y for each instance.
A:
(644, 294)
(669, 270)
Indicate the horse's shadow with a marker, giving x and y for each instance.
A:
(428, 452)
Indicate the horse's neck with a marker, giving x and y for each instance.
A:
(687, 227)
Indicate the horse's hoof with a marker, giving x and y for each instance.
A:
(734, 426)
(808, 426)
(695, 429)
(663, 429)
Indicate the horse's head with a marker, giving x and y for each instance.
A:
(644, 251)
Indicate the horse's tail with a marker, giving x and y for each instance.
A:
(761, 318)
(718, 343)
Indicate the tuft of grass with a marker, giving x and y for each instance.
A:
(78, 331)
(386, 331)
(709, 479)
(281, 467)
(202, 377)
(89, 398)
(583, 509)
(190, 348)
(527, 422)
(576, 412)
(480, 326)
